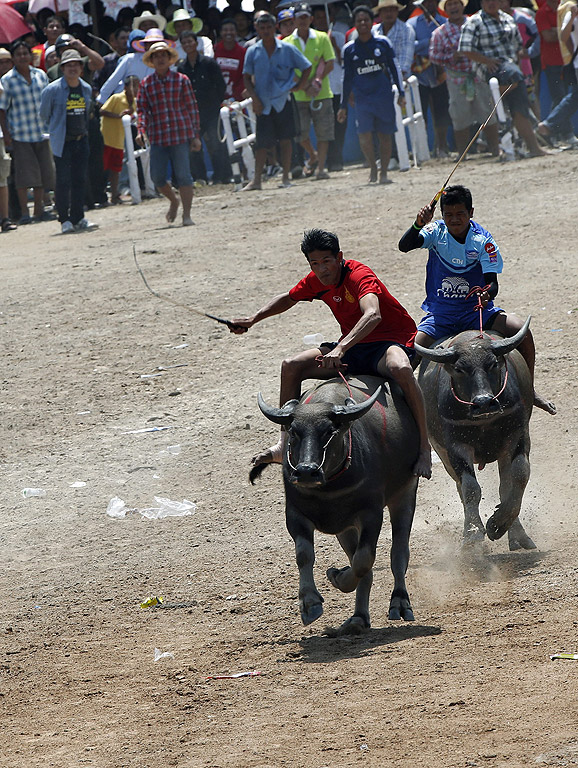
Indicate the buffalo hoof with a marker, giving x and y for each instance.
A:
(473, 535)
(310, 613)
(519, 540)
(335, 577)
(356, 625)
(400, 608)
(495, 529)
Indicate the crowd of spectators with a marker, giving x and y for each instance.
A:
(65, 87)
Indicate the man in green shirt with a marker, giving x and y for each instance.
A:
(315, 101)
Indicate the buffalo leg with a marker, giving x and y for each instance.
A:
(461, 469)
(514, 476)
(360, 621)
(401, 511)
(310, 600)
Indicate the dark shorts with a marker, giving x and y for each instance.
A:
(364, 358)
(373, 116)
(440, 326)
(276, 126)
(518, 101)
(33, 164)
(437, 98)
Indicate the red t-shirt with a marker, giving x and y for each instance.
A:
(550, 53)
(357, 281)
(231, 63)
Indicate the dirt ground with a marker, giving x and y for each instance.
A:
(470, 683)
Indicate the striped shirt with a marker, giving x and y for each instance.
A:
(402, 38)
(497, 38)
(443, 44)
(21, 103)
(167, 109)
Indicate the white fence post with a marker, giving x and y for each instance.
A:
(242, 110)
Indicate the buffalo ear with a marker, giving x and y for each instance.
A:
(503, 346)
(283, 416)
(345, 414)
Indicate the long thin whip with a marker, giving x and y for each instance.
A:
(464, 153)
(168, 300)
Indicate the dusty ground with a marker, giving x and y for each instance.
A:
(469, 684)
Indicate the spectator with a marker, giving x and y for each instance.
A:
(552, 62)
(92, 61)
(148, 20)
(50, 57)
(285, 23)
(65, 107)
(433, 90)
(23, 131)
(335, 151)
(273, 65)
(400, 34)
(244, 29)
(183, 21)
(5, 162)
(111, 114)
(315, 99)
(167, 115)
(120, 44)
(54, 27)
(369, 67)
(531, 42)
(230, 56)
(491, 40)
(209, 87)
(569, 104)
(132, 63)
(470, 97)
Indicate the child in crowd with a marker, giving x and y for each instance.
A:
(111, 113)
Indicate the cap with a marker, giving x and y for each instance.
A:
(62, 41)
(70, 56)
(4, 54)
(302, 9)
(285, 14)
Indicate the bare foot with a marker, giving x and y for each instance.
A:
(273, 455)
(384, 178)
(187, 221)
(172, 212)
(251, 186)
(422, 467)
(373, 175)
(545, 405)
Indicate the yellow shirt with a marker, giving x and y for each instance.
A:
(111, 127)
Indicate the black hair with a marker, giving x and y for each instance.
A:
(59, 19)
(455, 195)
(265, 18)
(362, 9)
(19, 44)
(187, 33)
(120, 30)
(319, 240)
(228, 21)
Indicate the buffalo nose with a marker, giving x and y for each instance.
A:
(311, 473)
(482, 401)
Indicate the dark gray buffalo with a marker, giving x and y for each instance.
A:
(479, 397)
(346, 459)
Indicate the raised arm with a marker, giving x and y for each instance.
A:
(276, 306)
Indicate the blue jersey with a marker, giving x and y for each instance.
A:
(369, 69)
(454, 268)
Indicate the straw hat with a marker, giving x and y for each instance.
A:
(151, 36)
(159, 20)
(442, 4)
(183, 15)
(387, 4)
(4, 54)
(156, 48)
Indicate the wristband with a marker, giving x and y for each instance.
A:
(415, 226)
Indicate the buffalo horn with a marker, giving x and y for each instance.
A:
(351, 411)
(281, 416)
(503, 346)
(437, 354)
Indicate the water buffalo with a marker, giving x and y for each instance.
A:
(348, 457)
(479, 395)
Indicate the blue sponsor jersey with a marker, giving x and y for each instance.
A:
(454, 268)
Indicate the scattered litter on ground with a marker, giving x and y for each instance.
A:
(28, 492)
(151, 602)
(77, 484)
(150, 375)
(181, 346)
(165, 655)
(252, 673)
(167, 508)
(168, 367)
(571, 656)
(146, 429)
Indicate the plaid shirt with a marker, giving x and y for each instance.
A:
(21, 103)
(497, 38)
(402, 38)
(443, 44)
(167, 109)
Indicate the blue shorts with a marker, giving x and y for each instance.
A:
(364, 358)
(375, 117)
(179, 157)
(440, 326)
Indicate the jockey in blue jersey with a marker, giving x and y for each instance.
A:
(462, 255)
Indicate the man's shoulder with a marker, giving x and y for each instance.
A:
(480, 231)
(356, 269)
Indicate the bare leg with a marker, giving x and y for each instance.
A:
(492, 136)
(308, 147)
(462, 139)
(322, 147)
(38, 201)
(286, 150)
(509, 325)
(385, 156)
(3, 203)
(23, 200)
(395, 364)
(186, 194)
(169, 193)
(366, 144)
(113, 178)
(260, 157)
(524, 128)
